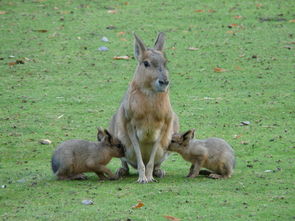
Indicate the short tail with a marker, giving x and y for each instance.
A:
(54, 164)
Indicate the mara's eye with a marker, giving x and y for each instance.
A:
(173, 141)
(146, 64)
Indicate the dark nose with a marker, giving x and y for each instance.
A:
(163, 82)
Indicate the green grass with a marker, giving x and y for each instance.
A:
(67, 87)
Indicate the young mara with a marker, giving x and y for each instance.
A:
(213, 153)
(74, 157)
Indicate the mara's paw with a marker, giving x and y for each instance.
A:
(122, 172)
(142, 180)
(159, 173)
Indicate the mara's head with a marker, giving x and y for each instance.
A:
(108, 140)
(180, 141)
(151, 74)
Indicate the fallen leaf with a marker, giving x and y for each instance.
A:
(292, 21)
(237, 136)
(45, 141)
(232, 25)
(172, 218)
(123, 39)
(193, 49)
(112, 11)
(238, 68)
(121, 33)
(211, 10)
(138, 205)
(230, 32)
(41, 30)
(121, 58)
(11, 63)
(199, 10)
(126, 3)
(219, 70)
(238, 17)
(3, 12)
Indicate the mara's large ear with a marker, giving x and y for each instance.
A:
(159, 44)
(100, 134)
(187, 136)
(139, 47)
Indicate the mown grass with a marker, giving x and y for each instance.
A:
(66, 88)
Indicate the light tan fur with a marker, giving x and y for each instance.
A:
(214, 154)
(145, 120)
(74, 157)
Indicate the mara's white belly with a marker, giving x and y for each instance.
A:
(148, 136)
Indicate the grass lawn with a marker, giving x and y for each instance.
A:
(55, 84)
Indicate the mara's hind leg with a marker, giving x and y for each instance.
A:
(104, 170)
(158, 172)
(124, 170)
(225, 171)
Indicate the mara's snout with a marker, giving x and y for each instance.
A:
(162, 85)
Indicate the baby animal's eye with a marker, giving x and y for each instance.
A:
(173, 141)
(146, 64)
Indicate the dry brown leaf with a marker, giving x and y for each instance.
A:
(11, 63)
(121, 57)
(123, 39)
(193, 49)
(199, 10)
(172, 218)
(211, 10)
(237, 136)
(292, 21)
(230, 32)
(121, 33)
(238, 17)
(219, 70)
(138, 205)
(126, 3)
(3, 12)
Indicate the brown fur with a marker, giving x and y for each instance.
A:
(145, 120)
(74, 157)
(213, 153)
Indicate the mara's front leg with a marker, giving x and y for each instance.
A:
(140, 165)
(151, 163)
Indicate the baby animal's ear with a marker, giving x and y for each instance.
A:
(100, 134)
(187, 136)
(108, 137)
